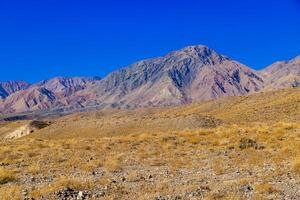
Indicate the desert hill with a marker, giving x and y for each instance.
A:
(250, 109)
(241, 147)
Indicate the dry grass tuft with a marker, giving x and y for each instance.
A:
(113, 164)
(145, 153)
(6, 176)
(10, 192)
(296, 164)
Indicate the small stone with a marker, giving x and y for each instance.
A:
(80, 195)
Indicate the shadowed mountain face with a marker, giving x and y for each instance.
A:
(7, 88)
(192, 74)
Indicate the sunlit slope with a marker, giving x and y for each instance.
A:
(269, 107)
(275, 106)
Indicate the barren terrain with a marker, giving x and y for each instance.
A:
(232, 148)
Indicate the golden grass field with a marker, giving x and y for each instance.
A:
(232, 148)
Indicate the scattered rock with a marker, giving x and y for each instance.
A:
(168, 198)
(69, 193)
(200, 192)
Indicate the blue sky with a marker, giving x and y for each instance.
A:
(42, 39)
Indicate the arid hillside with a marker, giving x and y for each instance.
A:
(255, 108)
(233, 148)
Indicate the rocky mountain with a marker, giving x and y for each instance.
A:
(46, 94)
(191, 74)
(194, 73)
(63, 87)
(7, 88)
(283, 74)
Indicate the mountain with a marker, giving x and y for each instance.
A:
(283, 74)
(7, 88)
(45, 95)
(63, 87)
(191, 74)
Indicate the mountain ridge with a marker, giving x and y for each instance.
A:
(194, 73)
(9, 87)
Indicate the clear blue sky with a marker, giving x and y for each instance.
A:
(40, 39)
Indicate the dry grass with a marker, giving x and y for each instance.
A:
(113, 164)
(6, 176)
(216, 150)
(10, 192)
(296, 164)
(60, 183)
(150, 152)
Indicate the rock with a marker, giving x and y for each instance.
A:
(98, 194)
(160, 198)
(66, 193)
(168, 197)
(24, 193)
(199, 192)
(2, 164)
(80, 195)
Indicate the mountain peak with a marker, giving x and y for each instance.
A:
(200, 53)
(195, 49)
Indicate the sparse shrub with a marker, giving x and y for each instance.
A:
(6, 176)
(34, 169)
(10, 192)
(218, 167)
(39, 124)
(296, 164)
(266, 188)
(113, 164)
(246, 143)
(63, 182)
(194, 140)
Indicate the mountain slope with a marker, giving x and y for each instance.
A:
(251, 109)
(283, 74)
(46, 94)
(7, 88)
(191, 74)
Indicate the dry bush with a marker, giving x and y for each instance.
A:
(6, 176)
(266, 188)
(113, 164)
(34, 169)
(296, 164)
(218, 167)
(60, 183)
(39, 124)
(10, 192)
